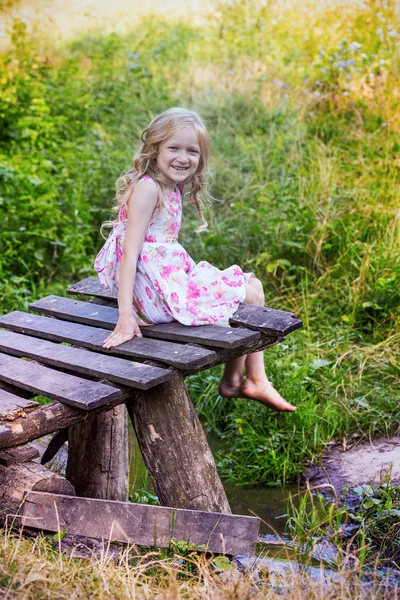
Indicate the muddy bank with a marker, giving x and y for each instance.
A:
(363, 463)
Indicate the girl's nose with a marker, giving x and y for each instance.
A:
(183, 156)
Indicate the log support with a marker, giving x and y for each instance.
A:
(175, 448)
(98, 456)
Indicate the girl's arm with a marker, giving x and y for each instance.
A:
(141, 205)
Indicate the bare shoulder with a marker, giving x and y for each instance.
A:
(144, 193)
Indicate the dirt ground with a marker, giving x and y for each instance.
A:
(363, 463)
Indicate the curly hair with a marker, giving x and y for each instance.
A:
(161, 129)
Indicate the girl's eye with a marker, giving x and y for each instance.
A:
(172, 148)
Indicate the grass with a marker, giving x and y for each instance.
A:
(38, 568)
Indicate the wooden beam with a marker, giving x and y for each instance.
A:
(266, 320)
(184, 357)
(107, 317)
(97, 463)
(269, 321)
(140, 524)
(66, 388)
(17, 455)
(175, 448)
(118, 370)
(48, 419)
(12, 406)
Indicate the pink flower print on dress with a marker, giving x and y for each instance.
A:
(162, 251)
(144, 258)
(122, 213)
(237, 271)
(150, 238)
(193, 290)
(167, 271)
(118, 249)
(231, 282)
(175, 297)
(148, 292)
(174, 228)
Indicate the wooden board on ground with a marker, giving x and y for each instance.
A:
(63, 387)
(107, 317)
(20, 454)
(119, 370)
(266, 320)
(140, 524)
(12, 406)
(184, 357)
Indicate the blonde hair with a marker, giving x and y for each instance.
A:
(161, 129)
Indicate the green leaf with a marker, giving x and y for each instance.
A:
(222, 563)
(60, 535)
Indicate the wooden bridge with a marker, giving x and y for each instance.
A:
(56, 351)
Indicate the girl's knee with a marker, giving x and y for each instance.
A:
(255, 292)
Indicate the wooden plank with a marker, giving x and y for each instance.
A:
(263, 319)
(140, 524)
(65, 388)
(114, 369)
(180, 356)
(209, 335)
(12, 406)
(20, 454)
(50, 418)
(107, 317)
(91, 286)
(266, 320)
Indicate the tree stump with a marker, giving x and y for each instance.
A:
(97, 463)
(175, 448)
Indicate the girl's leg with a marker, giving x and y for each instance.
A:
(255, 384)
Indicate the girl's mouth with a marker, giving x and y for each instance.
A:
(180, 168)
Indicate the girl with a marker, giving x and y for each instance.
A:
(157, 281)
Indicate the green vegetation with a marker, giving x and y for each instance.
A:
(306, 158)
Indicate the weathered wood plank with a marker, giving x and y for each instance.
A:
(12, 389)
(12, 406)
(209, 335)
(50, 418)
(140, 524)
(91, 286)
(119, 370)
(107, 317)
(20, 454)
(266, 320)
(68, 389)
(177, 355)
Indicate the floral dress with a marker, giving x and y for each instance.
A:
(169, 285)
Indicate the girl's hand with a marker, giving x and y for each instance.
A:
(125, 330)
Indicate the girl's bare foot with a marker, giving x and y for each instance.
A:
(263, 391)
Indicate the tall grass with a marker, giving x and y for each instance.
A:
(302, 106)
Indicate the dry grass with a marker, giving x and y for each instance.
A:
(35, 569)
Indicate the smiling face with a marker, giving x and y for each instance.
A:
(178, 157)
